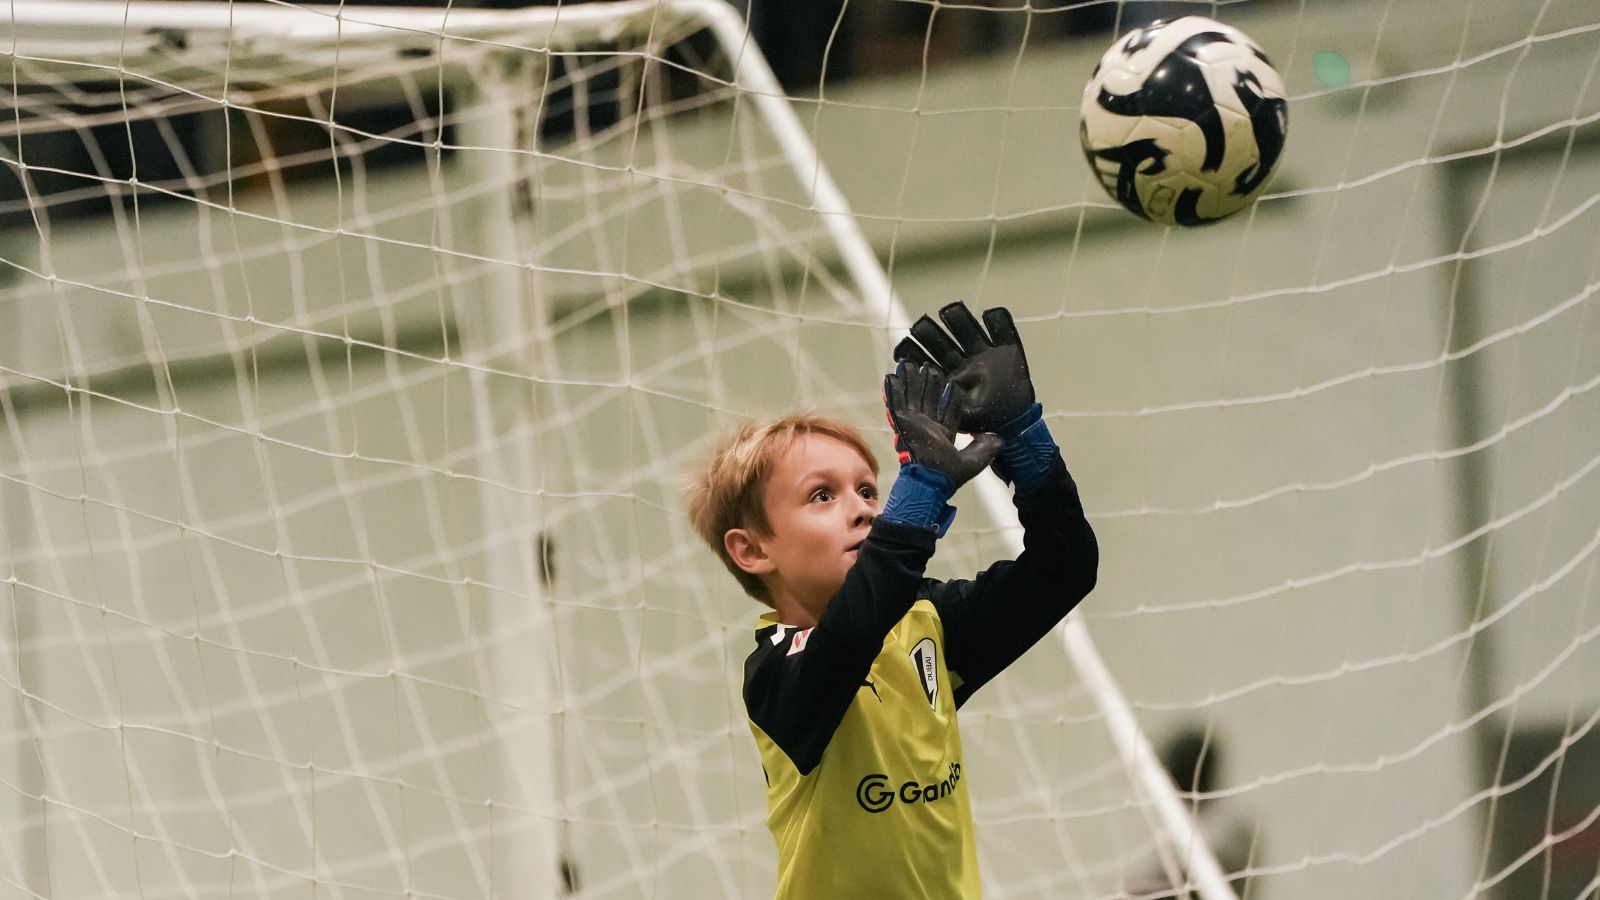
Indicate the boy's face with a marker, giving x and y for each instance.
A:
(820, 498)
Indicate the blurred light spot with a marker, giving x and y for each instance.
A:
(1331, 68)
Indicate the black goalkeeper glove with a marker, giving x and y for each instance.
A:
(924, 409)
(990, 368)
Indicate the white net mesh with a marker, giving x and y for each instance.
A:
(350, 361)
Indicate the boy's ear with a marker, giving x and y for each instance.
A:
(745, 549)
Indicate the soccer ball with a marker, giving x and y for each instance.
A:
(1183, 121)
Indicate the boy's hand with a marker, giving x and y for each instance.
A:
(924, 409)
(990, 368)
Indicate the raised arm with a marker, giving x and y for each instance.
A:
(994, 618)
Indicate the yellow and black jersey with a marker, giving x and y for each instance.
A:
(855, 717)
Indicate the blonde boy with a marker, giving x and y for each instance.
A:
(860, 666)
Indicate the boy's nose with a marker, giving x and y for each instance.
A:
(864, 511)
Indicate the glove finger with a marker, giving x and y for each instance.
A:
(929, 384)
(909, 350)
(981, 452)
(894, 391)
(964, 327)
(1001, 327)
(894, 399)
(911, 378)
(951, 401)
(944, 351)
(934, 391)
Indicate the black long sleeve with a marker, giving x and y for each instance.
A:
(994, 618)
(799, 682)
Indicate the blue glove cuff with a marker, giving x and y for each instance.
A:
(1029, 450)
(1013, 429)
(921, 498)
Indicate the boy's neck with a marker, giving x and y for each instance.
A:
(793, 612)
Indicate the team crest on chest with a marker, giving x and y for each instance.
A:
(925, 657)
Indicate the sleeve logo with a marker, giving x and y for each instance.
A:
(923, 656)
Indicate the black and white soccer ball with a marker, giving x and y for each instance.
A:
(1184, 121)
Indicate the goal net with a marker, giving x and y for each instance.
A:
(351, 359)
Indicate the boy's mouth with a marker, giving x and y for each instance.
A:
(856, 546)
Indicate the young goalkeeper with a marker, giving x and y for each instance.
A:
(858, 671)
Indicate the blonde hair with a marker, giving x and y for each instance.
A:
(725, 492)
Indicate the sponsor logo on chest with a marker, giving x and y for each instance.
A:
(877, 792)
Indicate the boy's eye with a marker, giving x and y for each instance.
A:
(821, 495)
(868, 492)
